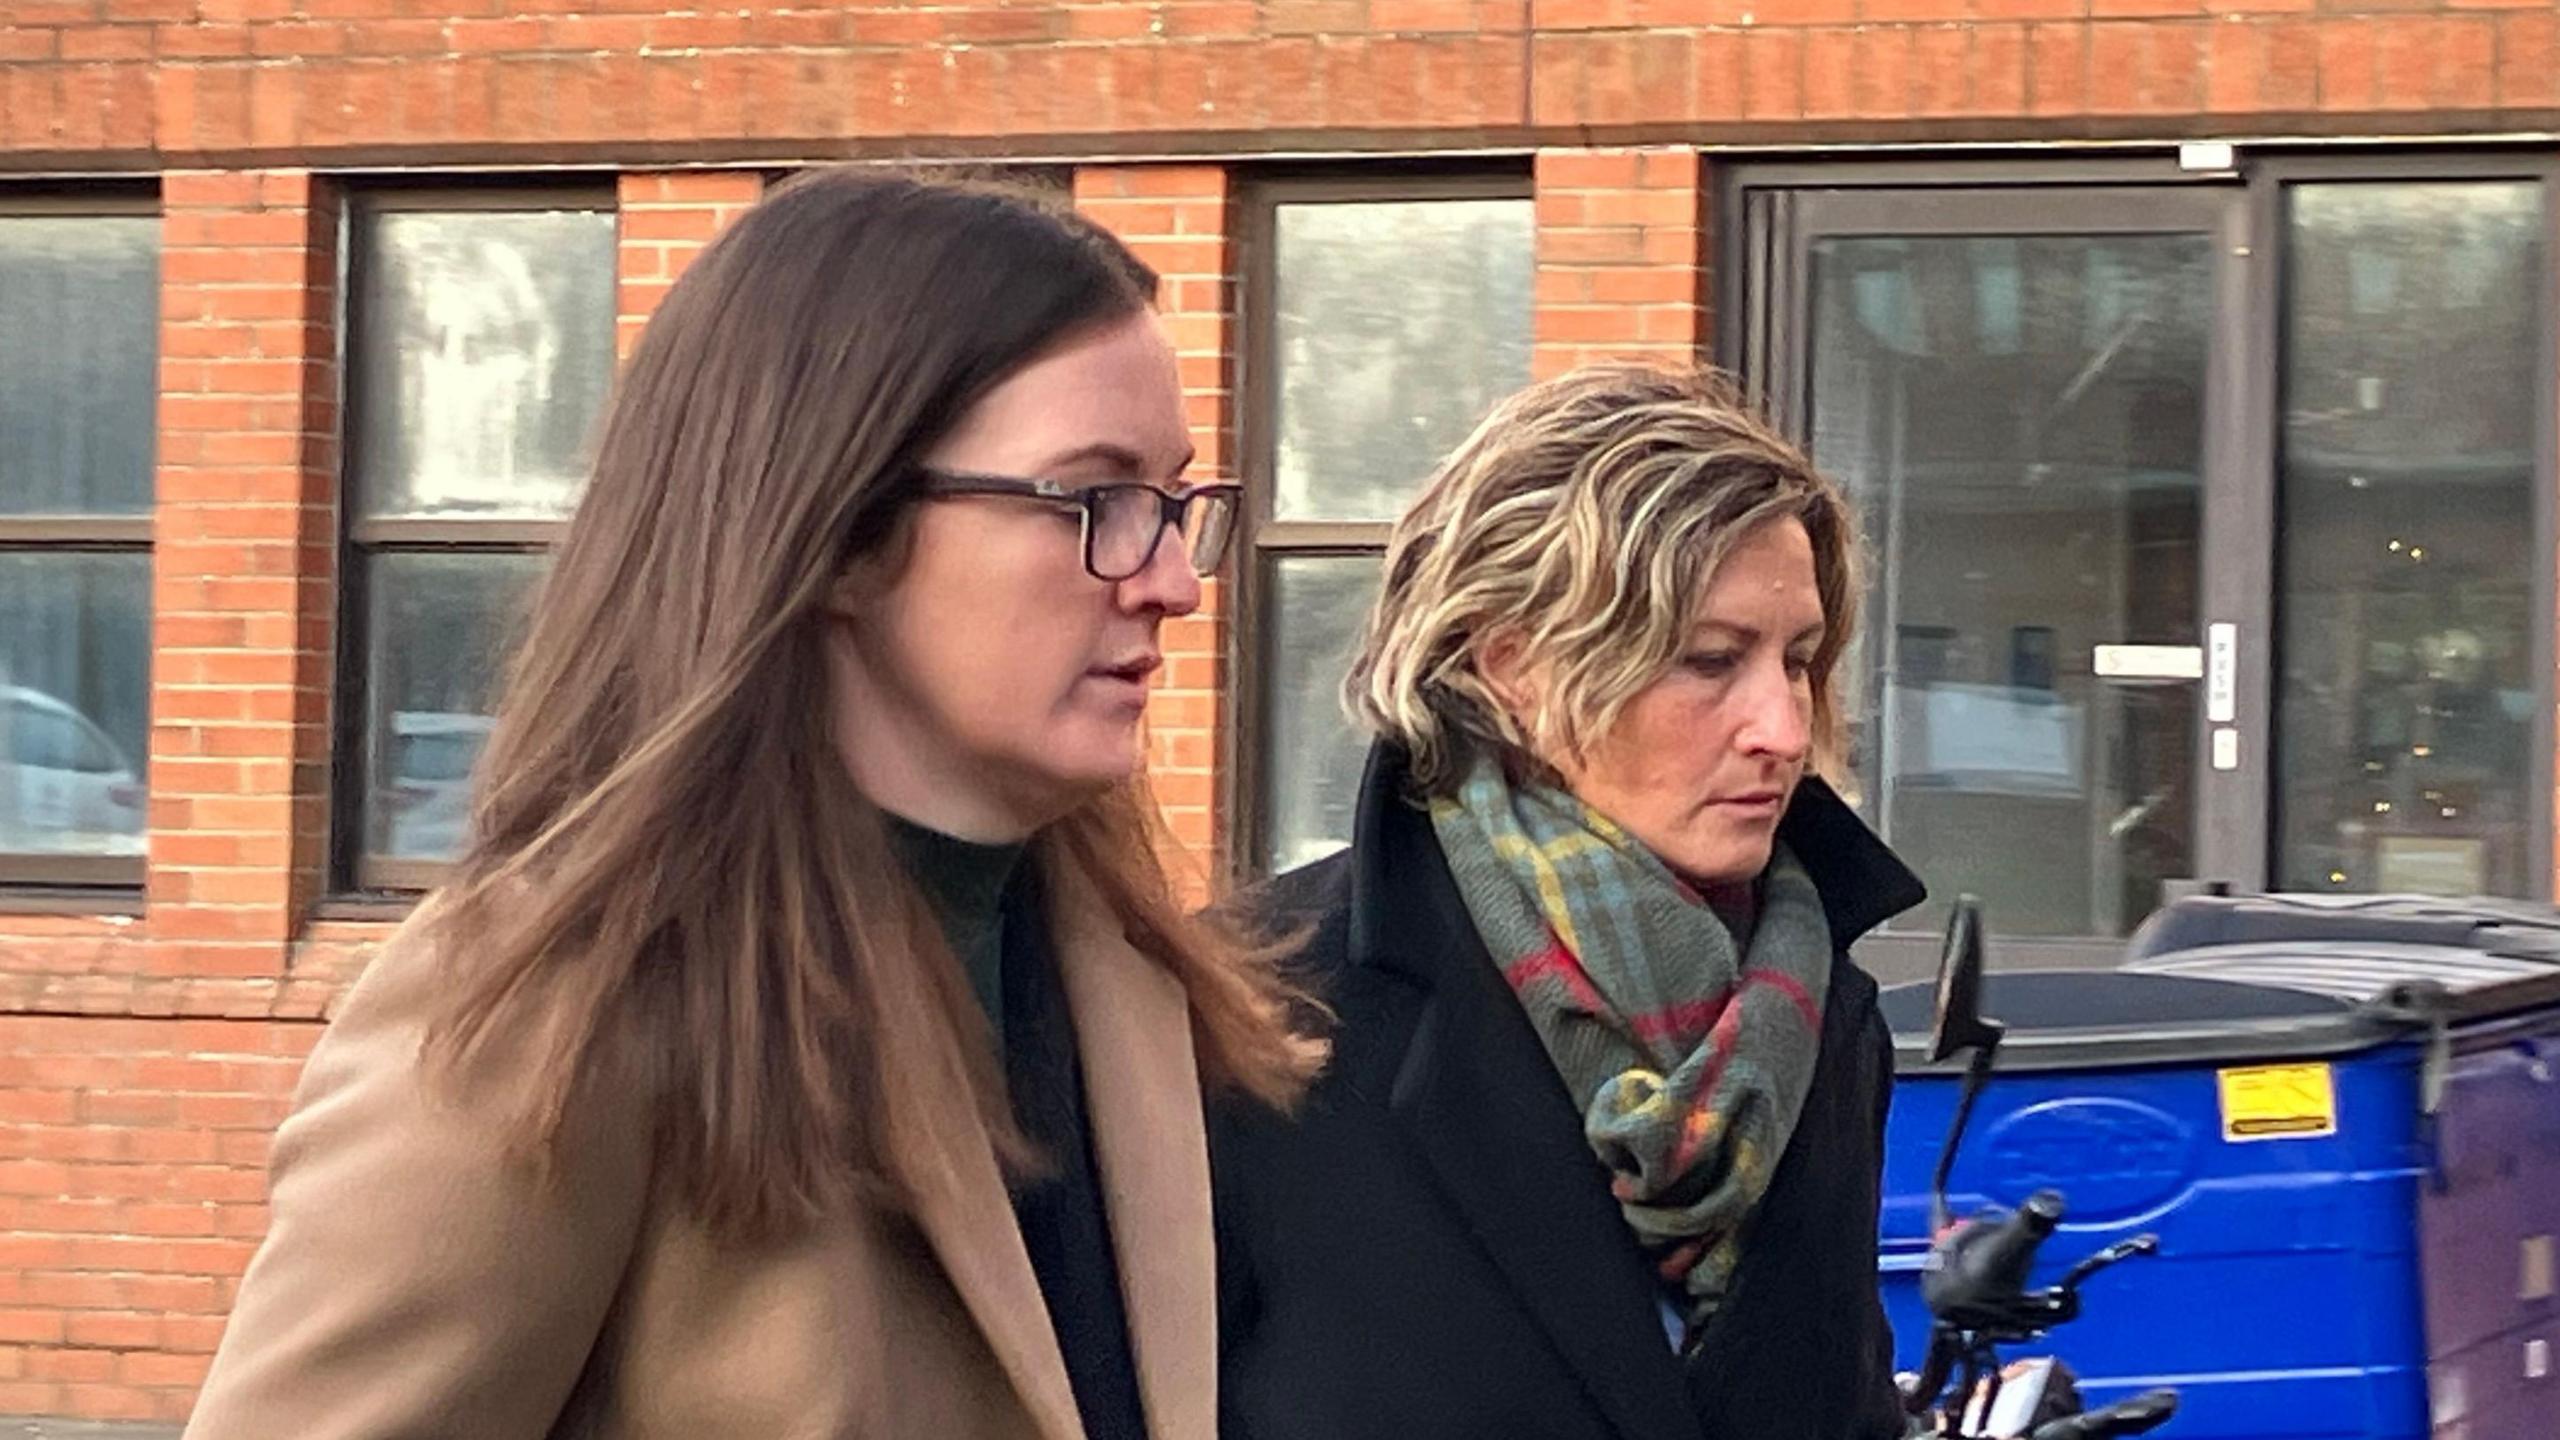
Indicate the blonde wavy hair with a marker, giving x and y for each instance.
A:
(1585, 517)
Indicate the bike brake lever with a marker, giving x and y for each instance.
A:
(2119, 1251)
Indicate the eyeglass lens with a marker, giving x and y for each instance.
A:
(1129, 522)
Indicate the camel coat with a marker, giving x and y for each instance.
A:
(416, 1283)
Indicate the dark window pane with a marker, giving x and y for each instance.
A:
(74, 657)
(2413, 330)
(484, 351)
(2020, 419)
(1311, 755)
(1399, 324)
(439, 628)
(79, 363)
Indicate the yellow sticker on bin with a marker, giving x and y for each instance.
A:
(2278, 1102)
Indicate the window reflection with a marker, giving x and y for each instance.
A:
(1312, 755)
(441, 627)
(1399, 324)
(76, 434)
(79, 385)
(2020, 419)
(486, 350)
(2406, 705)
(75, 707)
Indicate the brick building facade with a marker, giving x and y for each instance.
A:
(1653, 177)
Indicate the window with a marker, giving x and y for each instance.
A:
(79, 392)
(2212, 520)
(1389, 321)
(2410, 696)
(480, 350)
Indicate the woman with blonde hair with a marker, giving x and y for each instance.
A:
(808, 1043)
(1598, 1155)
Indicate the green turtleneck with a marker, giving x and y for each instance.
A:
(965, 881)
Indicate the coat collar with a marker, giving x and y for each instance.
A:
(1142, 1099)
(1472, 1086)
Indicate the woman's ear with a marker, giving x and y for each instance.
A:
(1513, 679)
(845, 595)
(1502, 659)
(863, 585)
(859, 588)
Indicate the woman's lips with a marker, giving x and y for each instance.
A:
(1757, 805)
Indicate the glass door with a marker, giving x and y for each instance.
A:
(2022, 390)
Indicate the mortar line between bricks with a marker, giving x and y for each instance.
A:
(12, 1011)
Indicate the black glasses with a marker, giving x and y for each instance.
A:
(1123, 523)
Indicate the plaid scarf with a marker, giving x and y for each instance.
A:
(1690, 1059)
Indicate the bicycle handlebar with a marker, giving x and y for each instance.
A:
(1980, 1279)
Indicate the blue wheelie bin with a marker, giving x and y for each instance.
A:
(2342, 1119)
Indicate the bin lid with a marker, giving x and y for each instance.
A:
(2196, 922)
(2273, 976)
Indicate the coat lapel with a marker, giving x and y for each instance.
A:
(966, 1215)
(1143, 1102)
(1481, 1102)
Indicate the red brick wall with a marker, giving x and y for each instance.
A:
(1182, 220)
(1623, 267)
(666, 218)
(244, 551)
(132, 1194)
(162, 82)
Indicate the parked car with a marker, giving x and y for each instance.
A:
(426, 806)
(65, 787)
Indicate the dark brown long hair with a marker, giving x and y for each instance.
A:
(673, 882)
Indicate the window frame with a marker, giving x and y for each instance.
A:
(1262, 539)
(355, 869)
(32, 872)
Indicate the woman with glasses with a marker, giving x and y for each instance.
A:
(809, 1041)
(1598, 1154)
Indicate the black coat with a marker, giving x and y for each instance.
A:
(1431, 1250)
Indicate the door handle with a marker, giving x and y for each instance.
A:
(2147, 662)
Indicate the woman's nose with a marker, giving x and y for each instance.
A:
(1167, 582)
(1780, 722)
